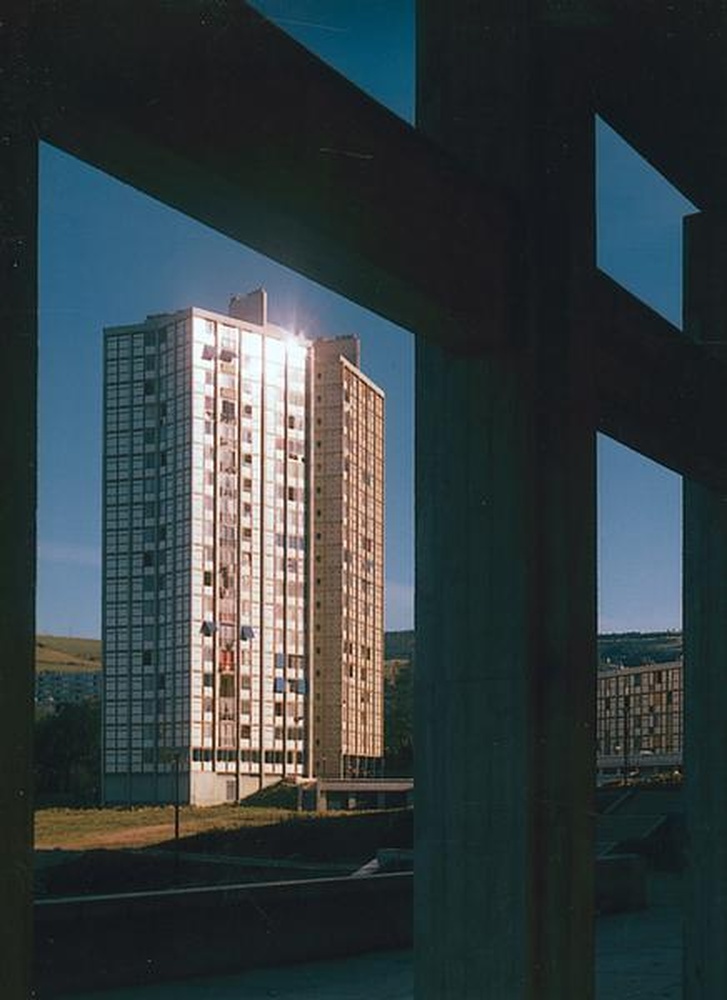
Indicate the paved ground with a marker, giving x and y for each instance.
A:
(382, 975)
(638, 958)
(639, 955)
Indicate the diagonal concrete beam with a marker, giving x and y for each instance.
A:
(658, 392)
(299, 164)
(212, 109)
(659, 77)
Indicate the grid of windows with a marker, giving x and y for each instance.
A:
(249, 493)
(207, 601)
(348, 536)
(639, 715)
(147, 436)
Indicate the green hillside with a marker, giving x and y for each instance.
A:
(54, 652)
(631, 649)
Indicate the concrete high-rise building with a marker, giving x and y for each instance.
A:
(243, 557)
(347, 442)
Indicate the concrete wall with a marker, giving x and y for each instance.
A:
(106, 941)
(200, 788)
(209, 789)
(620, 883)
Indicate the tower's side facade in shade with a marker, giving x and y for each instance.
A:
(347, 514)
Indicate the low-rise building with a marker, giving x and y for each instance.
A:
(639, 719)
(58, 687)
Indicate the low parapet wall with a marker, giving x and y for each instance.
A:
(620, 883)
(106, 941)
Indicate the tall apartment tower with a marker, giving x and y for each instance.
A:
(214, 684)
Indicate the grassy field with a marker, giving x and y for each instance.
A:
(53, 652)
(84, 829)
(102, 850)
(230, 830)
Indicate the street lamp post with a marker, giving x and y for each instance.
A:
(176, 801)
(627, 709)
(175, 758)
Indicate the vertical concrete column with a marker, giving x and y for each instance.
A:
(705, 648)
(504, 756)
(18, 199)
(505, 611)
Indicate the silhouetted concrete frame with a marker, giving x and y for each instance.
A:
(476, 232)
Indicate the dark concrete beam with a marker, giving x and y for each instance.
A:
(216, 112)
(658, 392)
(656, 71)
(659, 76)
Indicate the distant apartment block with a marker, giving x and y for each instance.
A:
(243, 560)
(639, 718)
(59, 687)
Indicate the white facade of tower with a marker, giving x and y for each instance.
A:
(204, 558)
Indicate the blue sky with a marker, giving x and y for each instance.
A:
(110, 255)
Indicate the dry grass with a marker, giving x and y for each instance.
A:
(84, 829)
(54, 652)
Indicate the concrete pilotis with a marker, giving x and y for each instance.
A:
(705, 652)
(18, 269)
(505, 613)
